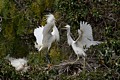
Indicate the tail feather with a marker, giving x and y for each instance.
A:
(95, 42)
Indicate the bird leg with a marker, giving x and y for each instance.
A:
(48, 60)
(48, 57)
(75, 60)
(84, 63)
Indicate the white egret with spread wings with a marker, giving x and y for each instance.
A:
(46, 35)
(84, 40)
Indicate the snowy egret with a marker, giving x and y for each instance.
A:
(46, 35)
(20, 64)
(78, 49)
(84, 41)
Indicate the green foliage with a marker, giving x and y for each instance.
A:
(1, 5)
(110, 52)
(36, 59)
(55, 55)
(73, 11)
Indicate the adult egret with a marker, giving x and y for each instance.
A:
(46, 35)
(84, 41)
(20, 64)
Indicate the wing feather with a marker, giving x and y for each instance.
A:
(87, 36)
(38, 33)
(55, 33)
(87, 30)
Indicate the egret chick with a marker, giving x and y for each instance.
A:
(78, 49)
(19, 64)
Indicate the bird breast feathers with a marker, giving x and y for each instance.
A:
(78, 50)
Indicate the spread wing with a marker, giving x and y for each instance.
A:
(39, 35)
(87, 36)
(55, 33)
(87, 30)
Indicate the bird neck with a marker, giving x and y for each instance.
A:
(70, 40)
(68, 31)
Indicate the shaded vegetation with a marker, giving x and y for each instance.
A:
(18, 19)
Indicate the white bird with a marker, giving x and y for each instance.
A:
(84, 41)
(78, 49)
(46, 35)
(19, 64)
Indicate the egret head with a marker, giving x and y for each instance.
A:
(67, 27)
(50, 18)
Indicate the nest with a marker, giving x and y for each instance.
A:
(73, 68)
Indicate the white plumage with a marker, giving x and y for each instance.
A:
(39, 37)
(86, 38)
(84, 41)
(55, 32)
(20, 64)
(77, 48)
(47, 34)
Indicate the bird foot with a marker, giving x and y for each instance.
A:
(49, 66)
(74, 61)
